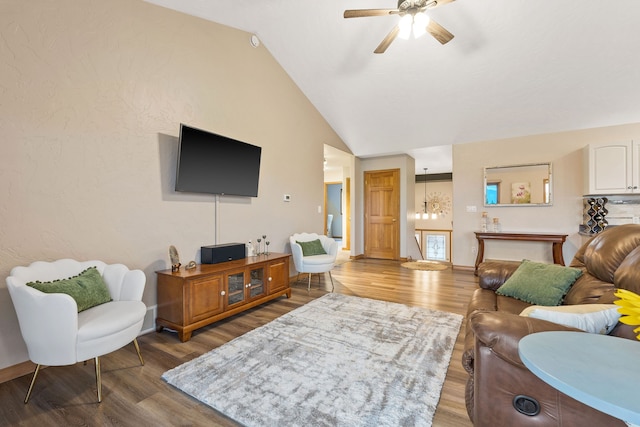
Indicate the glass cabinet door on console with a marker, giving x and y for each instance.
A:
(235, 288)
(245, 285)
(256, 286)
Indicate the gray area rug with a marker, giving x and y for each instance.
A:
(336, 361)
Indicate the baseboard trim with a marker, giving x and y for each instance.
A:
(16, 371)
(149, 323)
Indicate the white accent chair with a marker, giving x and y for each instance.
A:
(56, 334)
(314, 263)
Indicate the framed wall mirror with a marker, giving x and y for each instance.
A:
(518, 185)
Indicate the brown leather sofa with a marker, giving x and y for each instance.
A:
(501, 391)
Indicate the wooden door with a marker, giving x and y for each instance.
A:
(382, 212)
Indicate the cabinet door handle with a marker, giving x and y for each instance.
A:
(223, 293)
(270, 279)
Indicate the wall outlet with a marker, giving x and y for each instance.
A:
(474, 250)
(472, 209)
(636, 220)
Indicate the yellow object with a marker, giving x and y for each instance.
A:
(629, 303)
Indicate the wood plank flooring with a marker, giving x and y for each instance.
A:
(135, 395)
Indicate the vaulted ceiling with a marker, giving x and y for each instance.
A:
(514, 68)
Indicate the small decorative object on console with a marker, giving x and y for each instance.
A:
(175, 258)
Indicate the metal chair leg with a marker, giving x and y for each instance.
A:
(135, 343)
(33, 381)
(309, 285)
(98, 380)
(298, 278)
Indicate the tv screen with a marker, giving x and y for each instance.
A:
(211, 163)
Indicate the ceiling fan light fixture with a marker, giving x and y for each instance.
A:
(420, 22)
(405, 25)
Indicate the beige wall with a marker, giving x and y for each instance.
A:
(92, 95)
(564, 150)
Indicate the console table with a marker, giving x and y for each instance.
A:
(600, 371)
(557, 241)
(191, 299)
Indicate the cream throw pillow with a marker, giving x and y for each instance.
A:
(593, 318)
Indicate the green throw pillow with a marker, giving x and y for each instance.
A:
(540, 284)
(314, 247)
(87, 288)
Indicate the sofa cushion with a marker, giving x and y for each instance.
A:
(593, 318)
(313, 247)
(87, 288)
(539, 283)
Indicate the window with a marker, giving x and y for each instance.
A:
(436, 247)
(493, 193)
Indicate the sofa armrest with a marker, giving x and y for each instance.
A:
(492, 274)
(501, 332)
(296, 254)
(330, 246)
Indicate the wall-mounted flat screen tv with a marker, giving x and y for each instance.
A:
(215, 164)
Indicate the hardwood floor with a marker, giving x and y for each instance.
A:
(135, 395)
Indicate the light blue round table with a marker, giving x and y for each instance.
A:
(600, 371)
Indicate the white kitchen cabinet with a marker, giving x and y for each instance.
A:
(612, 168)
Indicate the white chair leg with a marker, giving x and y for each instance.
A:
(135, 343)
(98, 380)
(33, 381)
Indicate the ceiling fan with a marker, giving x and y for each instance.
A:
(413, 17)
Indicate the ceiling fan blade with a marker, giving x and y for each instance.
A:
(436, 3)
(361, 13)
(384, 44)
(439, 32)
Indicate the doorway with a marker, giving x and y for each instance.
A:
(334, 209)
(381, 214)
(338, 168)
